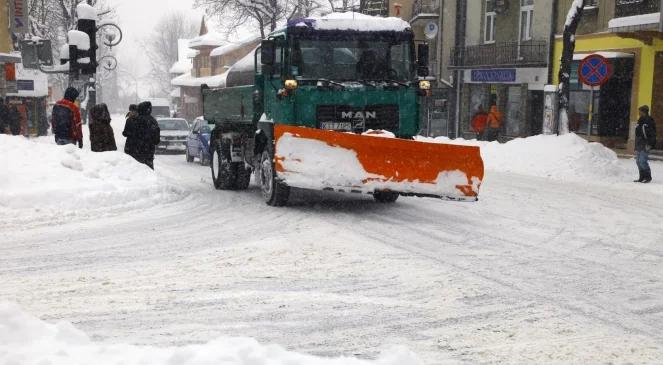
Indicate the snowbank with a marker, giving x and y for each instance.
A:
(26, 340)
(39, 176)
(565, 157)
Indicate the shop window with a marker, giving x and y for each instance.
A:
(489, 22)
(526, 17)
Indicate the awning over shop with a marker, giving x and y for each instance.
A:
(10, 58)
(581, 56)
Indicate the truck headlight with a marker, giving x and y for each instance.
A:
(424, 85)
(290, 84)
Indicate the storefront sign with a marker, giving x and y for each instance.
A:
(494, 75)
(25, 85)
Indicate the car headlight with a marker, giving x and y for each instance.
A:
(424, 85)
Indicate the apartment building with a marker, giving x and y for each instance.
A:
(505, 60)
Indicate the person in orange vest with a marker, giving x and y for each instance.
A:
(494, 123)
(479, 121)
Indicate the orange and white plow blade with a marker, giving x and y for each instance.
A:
(327, 160)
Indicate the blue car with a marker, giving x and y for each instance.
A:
(197, 143)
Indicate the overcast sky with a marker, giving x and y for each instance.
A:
(137, 18)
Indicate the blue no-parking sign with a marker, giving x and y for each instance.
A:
(594, 70)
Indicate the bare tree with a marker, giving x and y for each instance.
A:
(161, 46)
(569, 44)
(265, 14)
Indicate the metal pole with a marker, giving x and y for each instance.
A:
(591, 112)
(660, 21)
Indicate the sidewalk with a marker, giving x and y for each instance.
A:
(655, 155)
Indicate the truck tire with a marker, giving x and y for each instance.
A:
(243, 176)
(274, 192)
(385, 197)
(224, 172)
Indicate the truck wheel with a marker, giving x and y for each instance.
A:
(224, 173)
(243, 176)
(189, 158)
(274, 192)
(385, 196)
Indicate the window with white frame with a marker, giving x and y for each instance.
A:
(489, 22)
(526, 17)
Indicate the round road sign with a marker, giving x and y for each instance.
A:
(594, 70)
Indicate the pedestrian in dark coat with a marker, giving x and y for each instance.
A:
(101, 133)
(143, 134)
(4, 118)
(14, 121)
(133, 112)
(645, 141)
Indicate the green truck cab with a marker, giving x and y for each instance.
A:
(337, 74)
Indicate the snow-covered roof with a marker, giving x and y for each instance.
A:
(192, 53)
(231, 47)
(246, 63)
(352, 21)
(39, 79)
(630, 21)
(190, 81)
(181, 67)
(207, 40)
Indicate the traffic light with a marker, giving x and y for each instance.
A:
(79, 46)
(87, 23)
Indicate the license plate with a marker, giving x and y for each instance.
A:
(337, 126)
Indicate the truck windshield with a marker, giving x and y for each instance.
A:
(348, 60)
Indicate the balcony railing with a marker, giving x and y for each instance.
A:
(636, 7)
(525, 54)
(374, 7)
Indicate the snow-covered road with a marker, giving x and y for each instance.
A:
(538, 271)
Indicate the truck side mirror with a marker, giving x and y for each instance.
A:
(267, 52)
(422, 60)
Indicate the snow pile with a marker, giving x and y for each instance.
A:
(85, 11)
(50, 179)
(79, 39)
(565, 157)
(26, 340)
(354, 21)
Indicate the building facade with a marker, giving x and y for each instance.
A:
(505, 61)
(629, 34)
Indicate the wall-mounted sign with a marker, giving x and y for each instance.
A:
(430, 31)
(25, 85)
(494, 75)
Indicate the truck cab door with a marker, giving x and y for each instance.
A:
(278, 108)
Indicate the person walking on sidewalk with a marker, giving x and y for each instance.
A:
(645, 141)
(494, 123)
(102, 138)
(143, 134)
(66, 120)
(478, 124)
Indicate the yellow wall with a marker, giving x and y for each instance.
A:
(643, 72)
(5, 39)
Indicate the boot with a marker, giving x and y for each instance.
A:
(646, 178)
(639, 178)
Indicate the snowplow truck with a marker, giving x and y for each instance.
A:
(333, 103)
